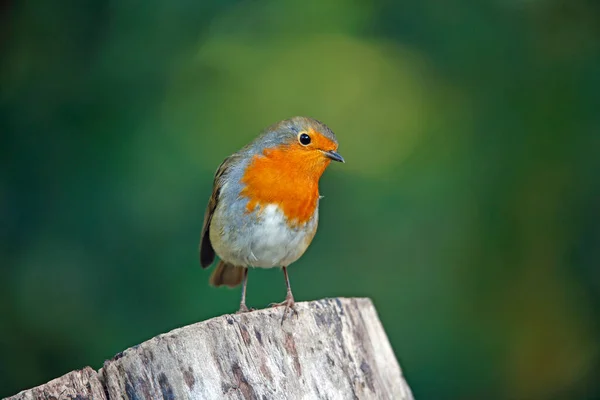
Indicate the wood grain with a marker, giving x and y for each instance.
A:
(333, 349)
(81, 385)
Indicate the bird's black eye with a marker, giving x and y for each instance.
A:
(304, 139)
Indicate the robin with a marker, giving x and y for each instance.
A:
(264, 207)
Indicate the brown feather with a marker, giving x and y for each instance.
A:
(227, 274)
(207, 253)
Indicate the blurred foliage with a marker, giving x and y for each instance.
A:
(468, 208)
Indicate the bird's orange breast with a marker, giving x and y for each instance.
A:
(287, 176)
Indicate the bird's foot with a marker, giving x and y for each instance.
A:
(289, 304)
(244, 309)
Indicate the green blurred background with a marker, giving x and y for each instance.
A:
(468, 209)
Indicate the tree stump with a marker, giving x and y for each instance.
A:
(82, 384)
(332, 349)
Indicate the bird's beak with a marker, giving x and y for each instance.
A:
(334, 156)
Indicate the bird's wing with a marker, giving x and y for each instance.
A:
(207, 253)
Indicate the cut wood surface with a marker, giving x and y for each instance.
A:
(82, 384)
(332, 349)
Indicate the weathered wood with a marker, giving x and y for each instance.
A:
(333, 349)
(81, 385)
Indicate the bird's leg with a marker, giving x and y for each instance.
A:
(243, 307)
(289, 302)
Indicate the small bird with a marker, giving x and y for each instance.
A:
(264, 207)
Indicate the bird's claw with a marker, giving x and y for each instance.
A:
(289, 304)
(244, 309)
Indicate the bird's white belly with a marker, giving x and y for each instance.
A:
(269, 241)
(274, 243)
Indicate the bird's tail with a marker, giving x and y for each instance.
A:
(227, 274)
